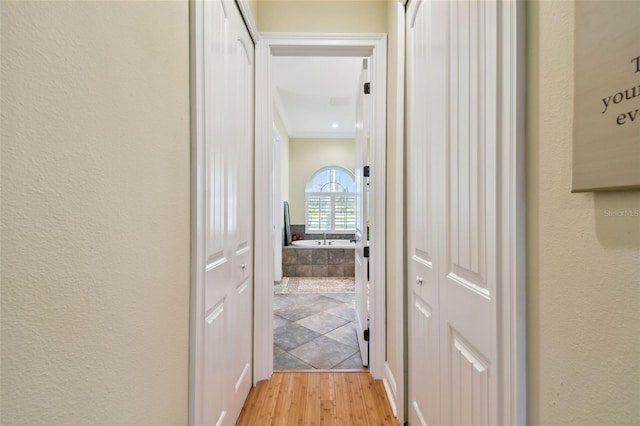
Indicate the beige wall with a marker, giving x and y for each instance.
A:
(95, 219)
(95, 213)
(323, 16)
(583, 307)
(254, 7)
(306, 156)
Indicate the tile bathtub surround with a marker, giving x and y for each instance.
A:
(317, 262)
(315, 331)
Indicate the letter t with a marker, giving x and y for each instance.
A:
(637, 61)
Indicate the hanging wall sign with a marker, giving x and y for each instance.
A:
(606, 132)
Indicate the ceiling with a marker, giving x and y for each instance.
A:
(314, 93)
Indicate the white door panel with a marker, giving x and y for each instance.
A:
(225, 176)
(453, 175)
(468, 291)
(424, 20)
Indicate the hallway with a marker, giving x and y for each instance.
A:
(323, 398)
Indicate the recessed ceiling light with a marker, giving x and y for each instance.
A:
(335, 125)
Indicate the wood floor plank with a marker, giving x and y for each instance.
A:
(318, 398)
(253, 404)
(327, 400)
(271, 399)
(356, 400)
(383, 403)
(298, 399)
(370, 401)
(281, 413)
(327, 388)
(313, 406)
(343, 407)
(327, 412)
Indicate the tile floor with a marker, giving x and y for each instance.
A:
(315, 331)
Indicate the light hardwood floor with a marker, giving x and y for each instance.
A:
(318, 398)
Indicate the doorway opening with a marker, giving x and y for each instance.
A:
(315, 166)
(327, 201)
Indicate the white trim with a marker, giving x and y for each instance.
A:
(278, 105)
(302, 44)
(399, 225)
(278, 218)
(391, 389)
(513, 192)
(377, 213)
(263, 263)
(250, 22)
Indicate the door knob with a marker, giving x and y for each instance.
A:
(419, 280)
(243, 266)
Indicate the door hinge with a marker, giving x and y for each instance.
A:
(366, 335)
(367, 88)
(365, 171)
(366, 251)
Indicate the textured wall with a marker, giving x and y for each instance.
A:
(306, 156)
(95, 212)
(324, 16)
(583, 258)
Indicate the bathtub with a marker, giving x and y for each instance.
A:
(312, 258)
(321, 244)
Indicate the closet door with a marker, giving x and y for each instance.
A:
(469, 240)
(459, 181)
(426, 129)
(223, 333)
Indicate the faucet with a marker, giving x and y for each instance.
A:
(325, 238)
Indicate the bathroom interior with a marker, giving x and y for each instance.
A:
(317, 212)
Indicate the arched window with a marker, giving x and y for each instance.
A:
(331, 201)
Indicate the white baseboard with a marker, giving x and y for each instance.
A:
(390, 387)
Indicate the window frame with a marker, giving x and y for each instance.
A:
(332, 196)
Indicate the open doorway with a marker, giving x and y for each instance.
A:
(320, 123)
(322, 218)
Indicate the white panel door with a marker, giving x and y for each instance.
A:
(361, 262)
(426, 94)
(468, 294)
(224, 354)
(453, 175)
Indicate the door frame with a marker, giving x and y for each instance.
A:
(316, 44)
(278, 223)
